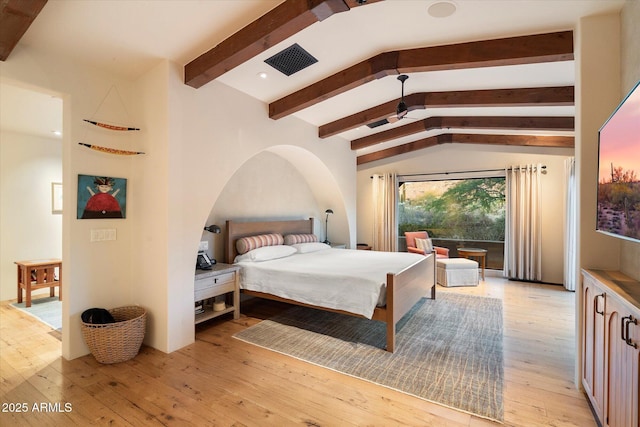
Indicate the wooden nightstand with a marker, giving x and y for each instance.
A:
(222, 279)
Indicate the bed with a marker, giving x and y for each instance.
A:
(401, 279)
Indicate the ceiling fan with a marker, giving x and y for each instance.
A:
(401, 109)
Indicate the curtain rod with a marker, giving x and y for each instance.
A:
(543, 167)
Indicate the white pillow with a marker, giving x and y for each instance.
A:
(304, 248)
(266, 253)
(424, 244)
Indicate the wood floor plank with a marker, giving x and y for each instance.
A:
(219, 380)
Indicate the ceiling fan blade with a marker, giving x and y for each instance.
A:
(394, 118)
(401, 110)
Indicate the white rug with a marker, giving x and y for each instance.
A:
(47, 310)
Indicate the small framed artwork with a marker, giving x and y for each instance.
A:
(101, 197)
(56, 197)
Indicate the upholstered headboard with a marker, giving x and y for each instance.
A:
(236, 230)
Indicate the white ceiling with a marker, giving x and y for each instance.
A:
(129, 37)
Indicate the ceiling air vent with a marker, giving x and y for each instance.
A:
(291, 60)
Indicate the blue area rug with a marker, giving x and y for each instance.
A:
(448, 350)
(47, 310)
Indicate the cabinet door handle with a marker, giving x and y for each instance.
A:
(626, 321)
(623, 328)
(595, 304)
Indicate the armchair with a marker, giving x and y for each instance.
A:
(411, 237)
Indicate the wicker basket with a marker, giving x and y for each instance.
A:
(119, 341)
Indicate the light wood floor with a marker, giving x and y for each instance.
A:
(222, 381)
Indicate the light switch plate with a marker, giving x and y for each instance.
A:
(103, 234)
(94, 235)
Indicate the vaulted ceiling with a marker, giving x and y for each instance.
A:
(479, 72)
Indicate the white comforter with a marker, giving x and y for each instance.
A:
(342, 279)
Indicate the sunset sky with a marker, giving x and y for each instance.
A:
(620, 139)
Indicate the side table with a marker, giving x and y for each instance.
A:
(39, 274)
(222, 279)
(479, 254)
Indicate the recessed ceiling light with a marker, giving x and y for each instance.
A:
(262, 75)
(56, 132)
(442, 9)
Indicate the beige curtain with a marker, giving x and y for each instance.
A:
(523, 235)
(570, 226)
(385, 231)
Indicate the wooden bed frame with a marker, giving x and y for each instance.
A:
(404, 289)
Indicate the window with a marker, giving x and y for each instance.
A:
(463, 212)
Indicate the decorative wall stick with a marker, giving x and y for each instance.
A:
(111, 150)
(108, 126)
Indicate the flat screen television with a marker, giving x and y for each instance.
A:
(619, 170)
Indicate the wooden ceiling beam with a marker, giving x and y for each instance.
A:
(531, 49)
(16, 16)
(470, 122)
(420, 144)
(447, 138)
(356, 3)
(548, 141)
(280, 23)
(542, 96)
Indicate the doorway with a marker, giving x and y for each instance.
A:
(30, 180)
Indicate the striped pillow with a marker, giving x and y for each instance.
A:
(245, 244)
(293, 239)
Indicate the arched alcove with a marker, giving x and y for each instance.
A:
(281, 182)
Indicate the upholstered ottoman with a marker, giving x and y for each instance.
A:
(457, 272)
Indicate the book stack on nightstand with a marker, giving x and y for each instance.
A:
(199, 307)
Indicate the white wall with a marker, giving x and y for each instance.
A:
(630, 64)
(151, 195)
(597, 94)
(29, 230)
(266, 186)
(458, 157)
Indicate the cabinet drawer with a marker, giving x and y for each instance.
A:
(212, 286)
(214, 280)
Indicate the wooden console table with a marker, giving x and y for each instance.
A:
(39, 274)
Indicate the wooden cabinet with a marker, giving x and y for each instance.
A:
(622, 369)
(221, 282)
(593, 343)
(611, 336)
